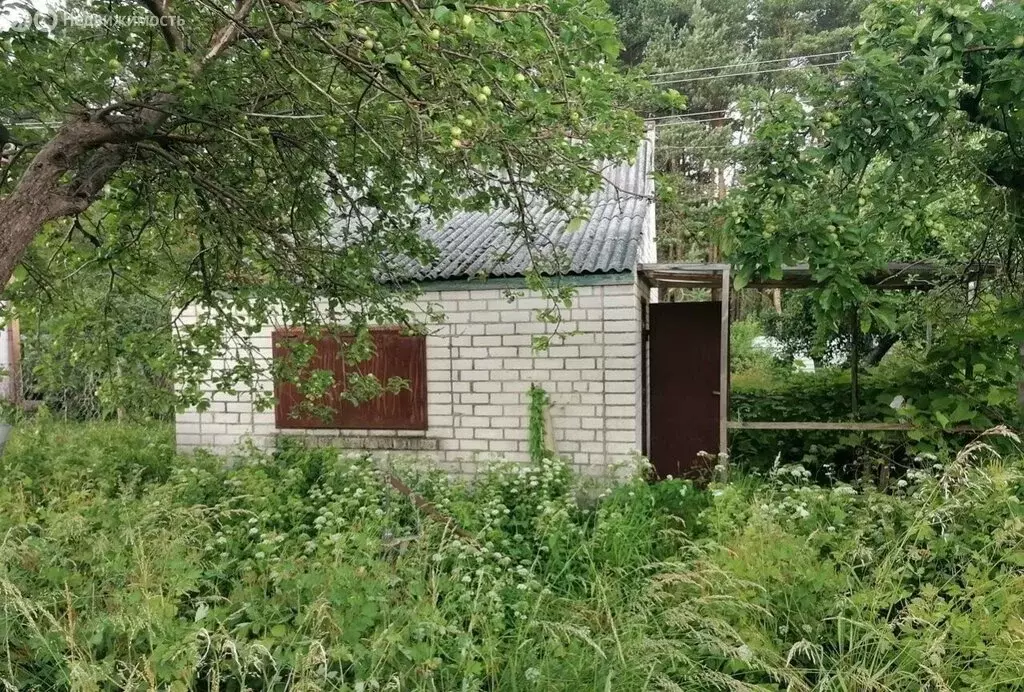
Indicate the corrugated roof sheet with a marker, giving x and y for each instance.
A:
(475, 243)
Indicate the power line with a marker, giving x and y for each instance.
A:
(700, 148)
(657, 121)
(673, 147)
(56, 123)
(746, 64)
(656, 118)
(745, 74)
(691, 122)
(684, 120)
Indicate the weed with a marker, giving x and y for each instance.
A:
(124, 566)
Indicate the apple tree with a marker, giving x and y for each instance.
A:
(258, 154)
(915, 151)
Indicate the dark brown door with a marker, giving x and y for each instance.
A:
(685, 354)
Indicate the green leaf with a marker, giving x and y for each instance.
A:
(999, 396)
(575, 224)
(314, 9)
(865, 322)
(611, 46)
(885, 317)
(962, 412)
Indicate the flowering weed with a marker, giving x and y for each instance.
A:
(124, 566)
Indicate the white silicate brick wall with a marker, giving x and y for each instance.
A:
(480, 365)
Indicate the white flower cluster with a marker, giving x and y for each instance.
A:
(795, 473)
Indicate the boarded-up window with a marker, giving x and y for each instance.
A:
(396, 355)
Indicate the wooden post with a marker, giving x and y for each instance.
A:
(863, 426)
(724, 367)
(854, 361)
(883, 475)
(17, 390)
(714, 252)
(1020, 385)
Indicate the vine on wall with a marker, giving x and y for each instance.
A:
(539, 401)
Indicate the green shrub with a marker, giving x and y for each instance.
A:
(918, 589)
(97, 354)
(124, 566)
(937, 397)
(819, 396)
(748, 360)
(45, 458)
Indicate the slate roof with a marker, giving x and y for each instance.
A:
(472, 244)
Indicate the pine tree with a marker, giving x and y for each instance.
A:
(675, 41)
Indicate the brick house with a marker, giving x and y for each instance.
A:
(470, 375)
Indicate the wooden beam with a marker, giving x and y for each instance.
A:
(814, 425)
(845, 425)
(895, 276)
(724, 366)
(14, 375)
(427, 507)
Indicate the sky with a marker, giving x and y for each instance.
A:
(12, 11)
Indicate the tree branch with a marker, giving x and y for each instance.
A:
(228, 33)
(87, 185)
(168, 24)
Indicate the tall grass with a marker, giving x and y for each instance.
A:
(123, 566)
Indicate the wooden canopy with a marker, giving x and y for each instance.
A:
(897, 276)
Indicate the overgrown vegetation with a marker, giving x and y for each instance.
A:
(537, 425)
(961, 383)
(126, 567)
(912, 153)
(275, 162)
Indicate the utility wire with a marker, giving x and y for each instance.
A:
(682, 120)
(656, 118)
(36, 125)
(744, 74)
(692, 122)
(657, 121)
(747, 64)
(683, 147)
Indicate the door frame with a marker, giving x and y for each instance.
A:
(724, 374)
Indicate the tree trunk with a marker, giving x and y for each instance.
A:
(91, 149)
(43, 194)
(885, 343)
(20, 220)
(68, 175)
